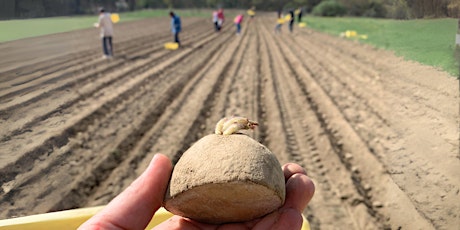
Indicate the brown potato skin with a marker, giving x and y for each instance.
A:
(222, 179)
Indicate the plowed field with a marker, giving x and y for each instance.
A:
(378, 135)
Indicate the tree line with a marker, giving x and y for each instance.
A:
(400, 9)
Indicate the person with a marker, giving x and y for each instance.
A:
(220, 18)
(135, 206)
(215, 20)
(291, 20)
(279, 22)
(299, 15)
(175, 26)
(106, 27)
(251, 12)
(238, 20)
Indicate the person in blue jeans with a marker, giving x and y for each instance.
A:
(106, 26)
(238, 20)
(175, 26)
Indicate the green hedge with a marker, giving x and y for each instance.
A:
(330, 8)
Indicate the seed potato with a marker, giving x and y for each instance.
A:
(226, 178)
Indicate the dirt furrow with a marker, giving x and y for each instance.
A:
(272, 122)
(299, 146)
(137, 51)
(81, 46)
(77, 99)
(25, 74)
(46, 79)
(241, 92)
(269, 117)
(350, 189)
(200, 89)
(37, 148)
(358, 108)
(368, 174)
(388, 143)
(41, 108)
(110, 151)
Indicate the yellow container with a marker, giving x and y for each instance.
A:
(350, 33)
(72, 219)
(171, 46)
(287, 17)
(115, 18)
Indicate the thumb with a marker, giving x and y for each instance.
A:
(135, 206)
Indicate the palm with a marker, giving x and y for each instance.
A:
(134, 207)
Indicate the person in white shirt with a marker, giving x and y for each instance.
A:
(215, 20)
(106, 26)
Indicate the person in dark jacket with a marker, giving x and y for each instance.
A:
(291, 21)
(299, 15)
(175, 26)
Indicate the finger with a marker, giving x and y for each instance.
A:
(178, 222)
(290, 169)
(281, 219)
(288, 219)
(135, 206)
(299, 191)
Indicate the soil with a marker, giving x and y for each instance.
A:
(378, 135)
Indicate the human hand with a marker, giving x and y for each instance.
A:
(134, 207)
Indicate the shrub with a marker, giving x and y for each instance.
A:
(453, 9)
(376, 9)
(329, 8)
(399, 10)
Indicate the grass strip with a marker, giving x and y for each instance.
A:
(427, 41)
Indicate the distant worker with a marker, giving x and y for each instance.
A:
(215, 20)
(291, 20)
(299, 15)
(252, 13)
(220, 18)
(238, 20)
(175, 26)
(106, 26)
(279, 22)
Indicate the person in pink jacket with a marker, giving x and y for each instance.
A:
(238, 20)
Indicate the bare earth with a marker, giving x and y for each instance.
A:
(378, 135)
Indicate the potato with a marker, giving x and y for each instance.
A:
(226, 178)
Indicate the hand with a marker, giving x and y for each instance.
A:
(134, 207)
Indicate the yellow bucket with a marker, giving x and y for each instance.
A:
(303, 24)
(171, 46)
(72, 219)
(350, 33)
(287, 17)
(115, 18)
